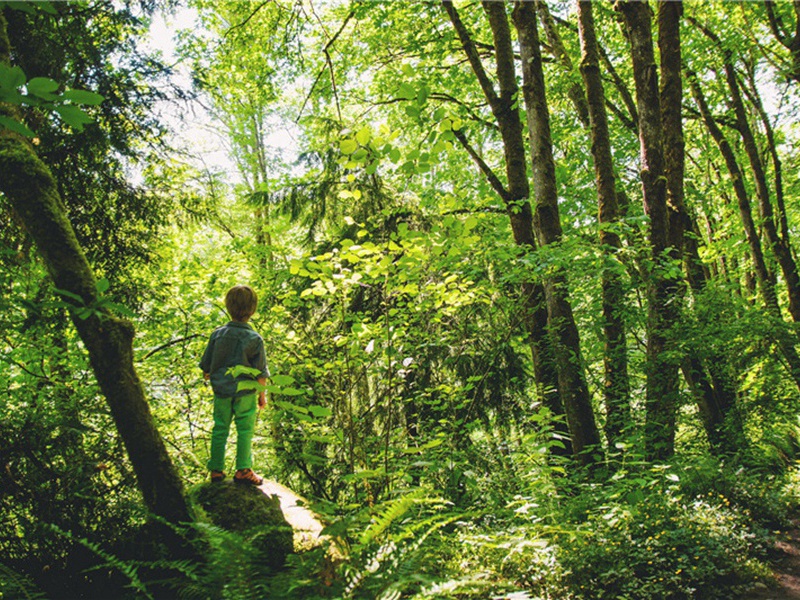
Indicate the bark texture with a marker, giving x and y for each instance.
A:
(32, 193)
(662, 370)
(615, 356)
(547, 225)
(515, 192)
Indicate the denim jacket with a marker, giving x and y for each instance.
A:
(233, 344)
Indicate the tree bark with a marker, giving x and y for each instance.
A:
(575, 92)
(547, 225)
(766, 282)
(662, 370)
(671, 95)
(32, 193)
(790, 41)
(515, 194)
(615, 356)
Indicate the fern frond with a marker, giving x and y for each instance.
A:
(392, 511)
(128, 568)
(17, 585)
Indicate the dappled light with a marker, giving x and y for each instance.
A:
(342, 299)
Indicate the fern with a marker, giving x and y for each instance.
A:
(393, 511)
(387, 571)
(17, 585)
(128, 568)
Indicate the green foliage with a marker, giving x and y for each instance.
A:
(661, 547)
(18, 585)
(403, 396)
(43, 93)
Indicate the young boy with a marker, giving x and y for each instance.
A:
(230, 345)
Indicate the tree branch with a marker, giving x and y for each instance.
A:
(171, 343)
(776, 24)
(471, 51)
(493, 179)
(329, 66)
(247, 20)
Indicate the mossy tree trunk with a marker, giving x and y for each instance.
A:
(616, 388)
(547, 225)
(515, 192)
(32, 193)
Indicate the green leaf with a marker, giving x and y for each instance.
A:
(11, 77)
(243, 370)
(291, 407)
(102, 285)
(83, 97)
(422, 96)
(119, 309)
(67, 294)
(363, 135)
(26, 7)
(73, 116)
(42, 87)
(348, 146)
(248, 385)
(320, 411)
(406, 91)
(16, 126)
(290, 391)
(282, 379)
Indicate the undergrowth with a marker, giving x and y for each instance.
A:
(647, 533)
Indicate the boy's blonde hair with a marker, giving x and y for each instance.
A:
(241, 302)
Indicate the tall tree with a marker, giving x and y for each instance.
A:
(779, 244)
(516, 192)
(615, 357)
(765, 279)
(561, 323)
(32, 193)
(662, 372)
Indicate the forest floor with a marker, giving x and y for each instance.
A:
(785, 559)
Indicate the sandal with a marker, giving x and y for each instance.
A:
(217, 476)
(247, 476)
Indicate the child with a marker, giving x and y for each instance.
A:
(230, 345)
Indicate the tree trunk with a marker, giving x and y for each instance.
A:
(766, 283)
(778, 244)
(662, 370)
(515, 195)
(615, 356)
(671, 95)
(791, 42)
(575, 92)
(547, 225)
(32, 194)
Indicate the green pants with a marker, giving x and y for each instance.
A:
(243, 412)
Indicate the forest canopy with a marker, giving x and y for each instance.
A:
(527, 279)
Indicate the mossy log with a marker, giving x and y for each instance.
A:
(253, 514)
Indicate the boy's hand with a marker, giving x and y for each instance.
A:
(262, 398)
